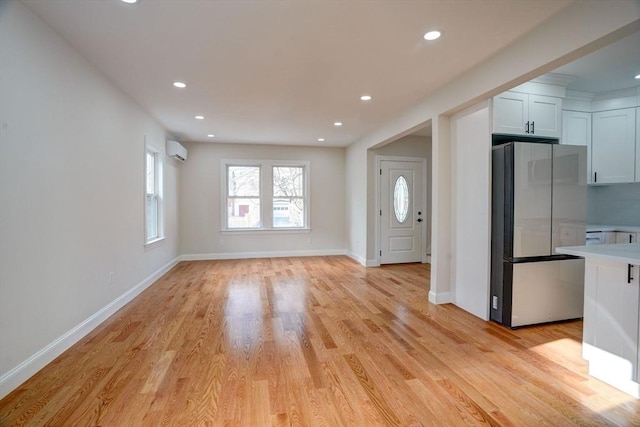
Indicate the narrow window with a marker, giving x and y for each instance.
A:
(401, 199)
(153, 196)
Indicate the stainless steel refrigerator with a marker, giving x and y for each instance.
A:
(538, 204)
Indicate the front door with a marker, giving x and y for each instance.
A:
(402, 213)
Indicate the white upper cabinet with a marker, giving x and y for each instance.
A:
(545, 116)
(613, 146)
(510, 113)
(527, 114)
(576, 130)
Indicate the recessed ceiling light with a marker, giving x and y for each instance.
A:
(365, 97)
(180, 85)
(320, 139)
(638, 77)
(337, 124)
(211, 135)
(130, 1)
(432, 35)
(199, 117)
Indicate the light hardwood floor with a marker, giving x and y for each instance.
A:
(313, 342)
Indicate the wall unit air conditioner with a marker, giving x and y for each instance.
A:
(176, 150)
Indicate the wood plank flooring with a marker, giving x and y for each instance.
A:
(316, 341)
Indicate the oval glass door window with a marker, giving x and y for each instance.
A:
(401, 199)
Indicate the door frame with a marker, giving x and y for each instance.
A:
(378, 204)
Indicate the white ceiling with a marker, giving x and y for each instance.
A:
(611, 68)
(282, 71)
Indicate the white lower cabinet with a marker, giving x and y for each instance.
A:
(624, 237)
(611, 323)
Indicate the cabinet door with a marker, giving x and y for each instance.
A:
(611, 317)
(624, 237)
(609, 237)
(510, 113)
(576, 130)
(613, 146)
(545, 116)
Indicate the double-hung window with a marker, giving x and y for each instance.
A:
(243, 197)
(288, 197)
(153, 196)
(265, 195)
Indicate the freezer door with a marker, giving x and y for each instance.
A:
(569, 214)
(532, 178)
(547, 291)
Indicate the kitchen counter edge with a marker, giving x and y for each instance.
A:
(628, 253)
(607, 227)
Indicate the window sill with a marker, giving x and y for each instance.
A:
(153, 243)
(259, 231)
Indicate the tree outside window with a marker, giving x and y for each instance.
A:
(288, 196)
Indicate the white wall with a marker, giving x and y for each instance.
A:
(200, 199)
(71, 191)
(471, 208)
(356, 198)
(579, 29)
(440, 290)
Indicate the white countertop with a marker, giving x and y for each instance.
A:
(627, 253)
(613, 227)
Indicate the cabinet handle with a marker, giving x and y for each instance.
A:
(533, 127)
(526, 128)
(595, 177)
(629, 270)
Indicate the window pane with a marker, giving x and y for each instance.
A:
(243, 213)
(151, 173)
(152, 217)
(401, 199)
(288, 213)
(244, 181)
(288, 181)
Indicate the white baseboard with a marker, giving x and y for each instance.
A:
(440, 298)
(356, 258)
(266, 254)
(375, 262)
(12, 379)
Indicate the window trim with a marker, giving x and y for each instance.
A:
(159, 194)
(266, 195)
